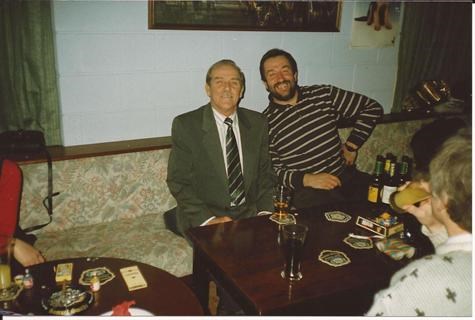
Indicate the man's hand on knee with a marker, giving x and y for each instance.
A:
(323, 181)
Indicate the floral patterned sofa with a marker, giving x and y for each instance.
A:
(112, 206)
(108, 206)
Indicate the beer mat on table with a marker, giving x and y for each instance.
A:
(133, 278)
(289, 219)
(10, 293)
(337, 216)
(358, 243)
(395, 248)
(103, 273)
(334, 258)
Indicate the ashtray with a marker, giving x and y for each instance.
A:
(10, 293)
(67, 302)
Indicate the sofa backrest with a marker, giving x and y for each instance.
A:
(392, 137)
(97, 189)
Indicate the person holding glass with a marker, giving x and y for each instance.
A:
(219, 167)
(10, 191)
(439, 284)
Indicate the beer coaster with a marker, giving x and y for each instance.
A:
(358, 243)
(334, 258)
(287, 219)
(103, 273)
(10, 293)
(337, 216)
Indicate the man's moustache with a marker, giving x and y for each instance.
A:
(282, 82)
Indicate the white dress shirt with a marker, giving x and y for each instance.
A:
(222, 130)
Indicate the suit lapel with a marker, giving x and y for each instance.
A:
(248, 145)
(212, 145)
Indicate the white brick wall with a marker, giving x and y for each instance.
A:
(119, 81)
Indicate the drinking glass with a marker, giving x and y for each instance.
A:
(5, 271)
(281, 206)
(412, 194)
(292, 243)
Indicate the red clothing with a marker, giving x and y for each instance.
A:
(10, 190)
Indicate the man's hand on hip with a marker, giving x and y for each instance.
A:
(349, 153)
(324, 181)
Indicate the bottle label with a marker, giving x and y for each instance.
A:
(387, 191)
(373, 194)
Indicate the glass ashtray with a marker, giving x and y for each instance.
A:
(68, 301)
(10, 293)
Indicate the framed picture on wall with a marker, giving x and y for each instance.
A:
(369, 32)
(310, 16)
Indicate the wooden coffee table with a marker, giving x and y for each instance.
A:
(245, 259)
(165, 294)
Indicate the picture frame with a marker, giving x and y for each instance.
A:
(303, 16)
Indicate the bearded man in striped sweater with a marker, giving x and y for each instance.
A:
(306, 150)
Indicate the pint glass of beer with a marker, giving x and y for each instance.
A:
(292, 243)
(5, 256)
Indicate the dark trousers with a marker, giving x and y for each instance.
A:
(354, 188)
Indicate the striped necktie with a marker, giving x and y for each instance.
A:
(235, 178)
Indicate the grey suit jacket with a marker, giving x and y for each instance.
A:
(197, 174)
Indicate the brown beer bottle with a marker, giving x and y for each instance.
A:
(404, 170)
(374, 189)
(387, 164)
(390, 184)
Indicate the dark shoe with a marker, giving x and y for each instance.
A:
(170, 221)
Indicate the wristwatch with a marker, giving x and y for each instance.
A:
(350, 148)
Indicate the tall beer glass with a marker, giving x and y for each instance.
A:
(293, 240)
(5, 256)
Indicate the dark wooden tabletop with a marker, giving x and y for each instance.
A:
(165, 294)
(245, 258)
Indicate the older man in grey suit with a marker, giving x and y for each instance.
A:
(219, 168)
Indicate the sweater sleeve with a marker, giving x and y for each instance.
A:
(292, 179)
(354, 106)
(10, 187)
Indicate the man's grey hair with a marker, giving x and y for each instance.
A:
(225, 62)
(451, 173)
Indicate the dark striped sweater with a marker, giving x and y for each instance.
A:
(304, 138)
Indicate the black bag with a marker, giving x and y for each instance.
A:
(24, 145)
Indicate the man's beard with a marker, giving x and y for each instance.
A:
(288, 96)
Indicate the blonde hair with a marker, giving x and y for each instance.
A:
(451, 173)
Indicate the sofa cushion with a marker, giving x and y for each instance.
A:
(142, 238)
